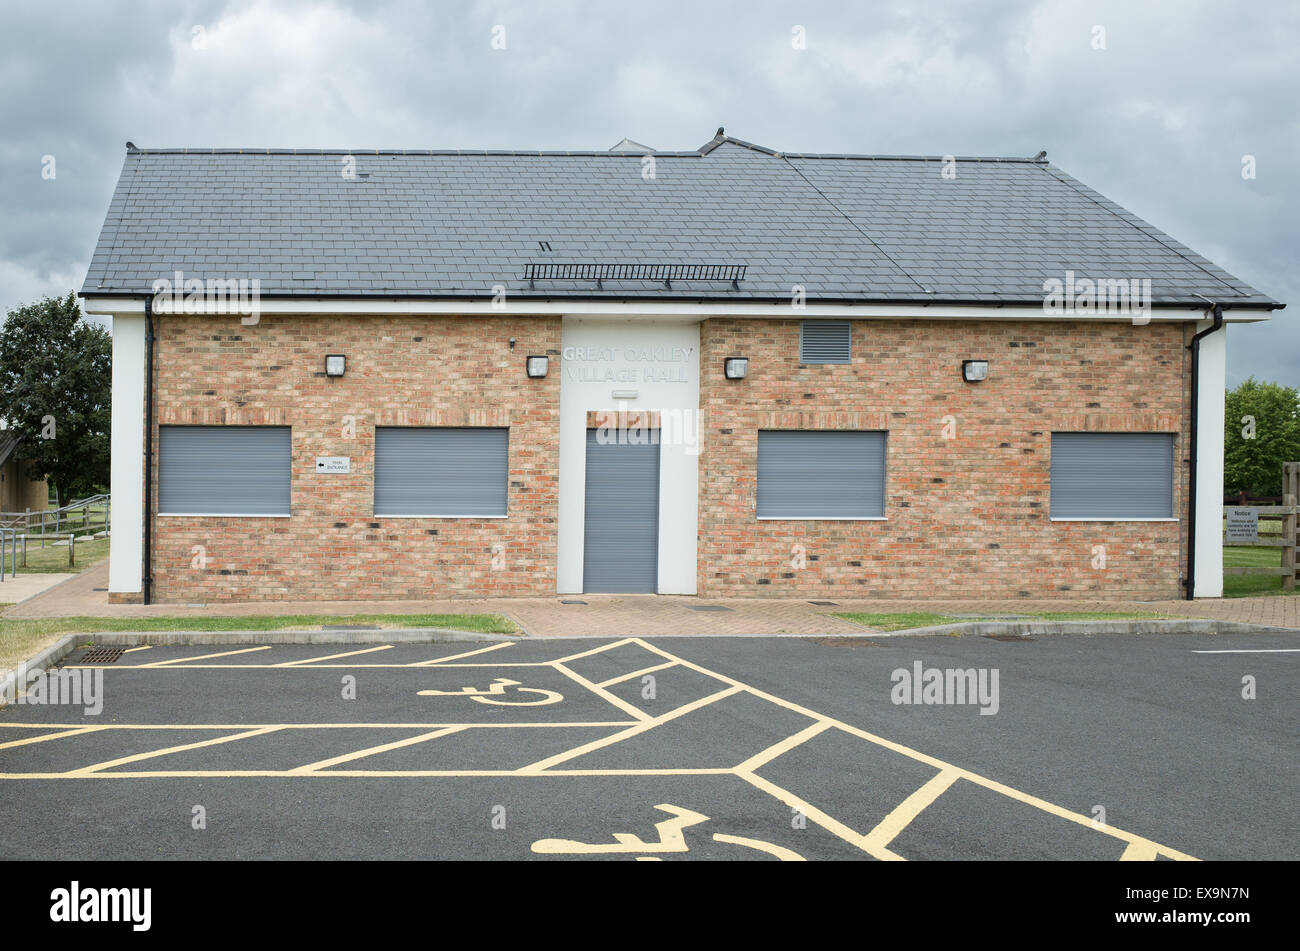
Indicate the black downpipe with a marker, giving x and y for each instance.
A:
(1195, 347)
(146, 582)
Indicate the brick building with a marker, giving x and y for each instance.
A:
(19, 492)
(728, 371)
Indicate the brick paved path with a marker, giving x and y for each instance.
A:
(622, 615)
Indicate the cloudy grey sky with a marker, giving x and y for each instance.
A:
(1159, 120)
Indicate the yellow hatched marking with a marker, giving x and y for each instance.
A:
(603, 693)
(312, 660)
(184, 660)
(771, 848)
(49, 736)
(1138, 852)
(637, 673)
(595, 650)
(902, 815)
(785, 746)
(830, 824)
(545, 764)
(481, 650)
(371, 751)
(939, 764)
(136, 757)
(1138, 847)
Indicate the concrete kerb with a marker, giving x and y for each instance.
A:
(353, 635)
(38, 661)
(1048, 628)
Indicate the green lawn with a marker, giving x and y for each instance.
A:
(1245, 586)
(53, 558)
(20, 638)
(907, 621)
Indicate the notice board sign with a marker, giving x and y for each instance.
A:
(333, 464)
(1243, 525)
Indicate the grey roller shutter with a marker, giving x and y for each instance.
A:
(621, 533)
(1112, 475)
(821, 474)
(431, 472)
(224, 470)
(825, 341)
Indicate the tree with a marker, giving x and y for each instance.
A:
(55, 393)
(1262, 423)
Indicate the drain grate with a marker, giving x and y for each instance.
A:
(1010, 637)
(825, 604)
(707, 607)
(102, 655)
(571, 601)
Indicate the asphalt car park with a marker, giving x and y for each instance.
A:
(1162, 746)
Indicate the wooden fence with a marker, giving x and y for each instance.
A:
(1287, 512)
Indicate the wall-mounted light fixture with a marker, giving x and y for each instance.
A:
(973, 371)
(537, 367)
(735, 368)
(336, 364)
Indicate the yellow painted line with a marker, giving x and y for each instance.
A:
(939, 764)
(771, 848)
(636, 673)
(887, 830)
(142, 647)
(643, 726)
(1138, 852)
(316, 666)
(495, 725)
(372, 750)
(49, 736)
(827, 822)
(361, 773)
(604, 694)
(183, 660)
(312, 660)
(785, 746)
(136, 757)
(481, 650)
(1075, 817)
(595, 650)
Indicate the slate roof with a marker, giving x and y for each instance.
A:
(452, 224)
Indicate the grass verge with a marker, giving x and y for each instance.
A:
(909, 620)
(22, 637)
(53, 558)
(1246, 586)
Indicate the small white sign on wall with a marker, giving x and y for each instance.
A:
(333, 464)
(1243, 524)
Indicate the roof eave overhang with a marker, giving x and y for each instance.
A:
(128, 302)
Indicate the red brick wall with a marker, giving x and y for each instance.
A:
(401, 370)
(968, 516)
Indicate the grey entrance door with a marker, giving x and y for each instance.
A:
(621, 534)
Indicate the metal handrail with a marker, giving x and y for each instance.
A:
(25, 520)
(12, 537)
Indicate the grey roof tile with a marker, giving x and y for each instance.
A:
(454, 223)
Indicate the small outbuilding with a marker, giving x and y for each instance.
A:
(727, 371)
